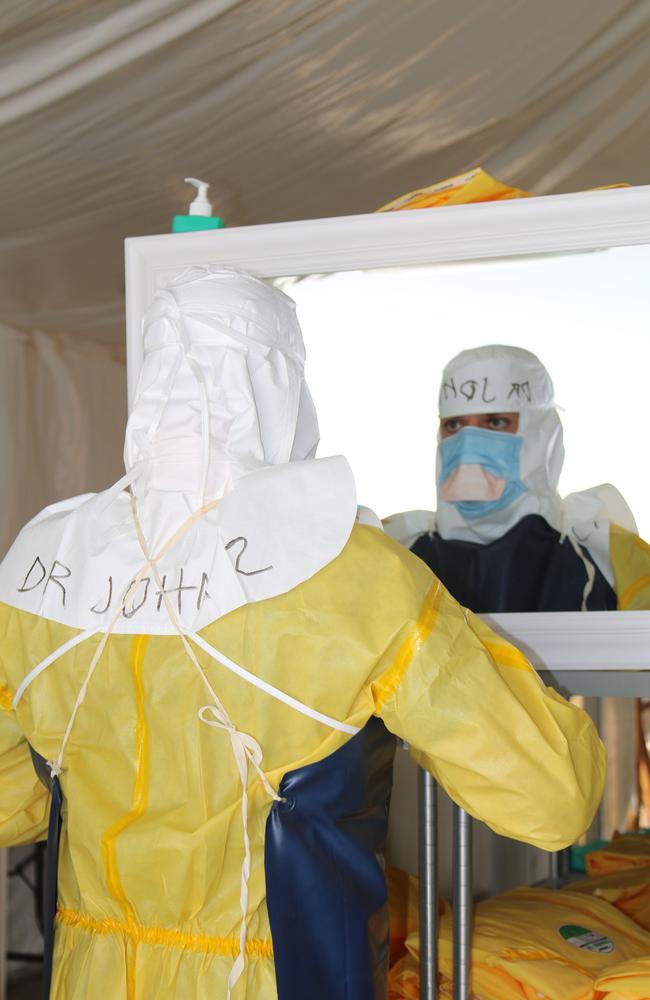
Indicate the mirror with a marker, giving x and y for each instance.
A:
(382, 337)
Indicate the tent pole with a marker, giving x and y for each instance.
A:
(462, 902)
(428, 871)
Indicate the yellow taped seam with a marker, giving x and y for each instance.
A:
(6, 699)
(630, 592)
(507, 656)
(139, 934)
(140, 788)
(385, 687)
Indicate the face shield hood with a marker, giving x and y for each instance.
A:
(488, 480)
(221, 391)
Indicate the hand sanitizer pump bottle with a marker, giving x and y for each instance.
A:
(200, 212)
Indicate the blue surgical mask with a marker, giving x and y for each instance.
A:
(496, 452)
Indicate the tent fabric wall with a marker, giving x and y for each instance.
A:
(295, 109)
(62, 414)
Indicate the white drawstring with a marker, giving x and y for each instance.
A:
(590, 569)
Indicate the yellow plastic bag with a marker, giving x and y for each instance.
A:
(626, 850)
(627, 981)
(403, 909)
(404, 916)
(473, 186)
(533, 943)
(628, 891)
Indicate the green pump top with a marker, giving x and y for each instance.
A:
(200, 211)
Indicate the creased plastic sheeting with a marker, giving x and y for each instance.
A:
(296, 109)
(62, 408)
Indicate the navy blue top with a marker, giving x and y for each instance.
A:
(527, 569)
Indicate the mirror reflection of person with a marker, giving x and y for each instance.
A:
(502, 538)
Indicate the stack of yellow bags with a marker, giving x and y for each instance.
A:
(624, 883)
(542, 944)
(624, 851)
(629, 981)
(626, 889)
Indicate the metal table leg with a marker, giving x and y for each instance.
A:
(428, 865)
(462, 903)
(560, 868)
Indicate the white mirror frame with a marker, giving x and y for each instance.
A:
(609, 654)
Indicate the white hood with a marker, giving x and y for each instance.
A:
(221, 412)
(221, 391)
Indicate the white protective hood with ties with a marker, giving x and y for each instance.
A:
(524, 477)
(223, 420)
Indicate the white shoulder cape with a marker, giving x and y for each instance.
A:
(277, 527)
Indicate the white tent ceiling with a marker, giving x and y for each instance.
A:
(293, 109)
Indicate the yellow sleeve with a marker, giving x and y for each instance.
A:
(630, 557)
(509, 750)
(24, 800)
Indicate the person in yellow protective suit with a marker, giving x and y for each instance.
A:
(211, 661)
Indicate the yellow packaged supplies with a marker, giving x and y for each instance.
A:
(627, 981)
(627, 850)
(543, 944)
(404, 983)
(404, 979)
(473, 186)
(628, 891)
(404, 916)
(403, 909)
